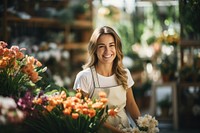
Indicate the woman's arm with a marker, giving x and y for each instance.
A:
(131, 105)
(111, 128)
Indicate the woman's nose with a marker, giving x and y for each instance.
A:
(107, 49)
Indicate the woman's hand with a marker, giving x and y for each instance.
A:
(112, 128)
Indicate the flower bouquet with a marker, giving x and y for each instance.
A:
(64, 111)
(18, 72)
(19, 76)
(145, 124)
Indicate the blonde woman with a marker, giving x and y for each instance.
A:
(104, 71)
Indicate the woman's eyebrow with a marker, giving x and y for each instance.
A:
(100, 44)
(112, 42)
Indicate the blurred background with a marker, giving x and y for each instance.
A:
(161, 45)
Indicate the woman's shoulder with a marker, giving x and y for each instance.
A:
(84, 73)
(127, 70)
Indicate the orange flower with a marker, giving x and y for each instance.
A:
(112, 112)
(66, 104)
(102, 94)
(49, 108)
(75, 115)
(97, 105)
(78, 95)
(3, 63)
(75, 99)
(37, 101)
(34, 76)
(104, 100)
(19, 55)
(78, 107)
(38, 63)
(85, 111)
(67, 111)
(91, 113)
(52, 102)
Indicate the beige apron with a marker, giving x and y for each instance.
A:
(116, 97)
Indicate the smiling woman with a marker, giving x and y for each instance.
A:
(105, 72)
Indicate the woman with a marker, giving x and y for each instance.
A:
(104, 71)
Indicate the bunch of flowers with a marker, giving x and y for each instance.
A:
(169, 39)
(70, 113)
(146, 124)
(17, 70)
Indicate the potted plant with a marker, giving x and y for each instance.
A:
(165, 105)
(79, 10)
(168, 68)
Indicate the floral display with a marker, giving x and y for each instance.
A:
(169, 39)
(72, 114)
(18, 71)
(28, 100)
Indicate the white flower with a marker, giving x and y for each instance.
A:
(9, 111)
(147, 124)
(7, 103)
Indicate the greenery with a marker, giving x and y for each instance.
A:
(189, 18)
(138, 62)
(168, 66)
(190, 73)
(65, 15)
(126, 34)
(165, 102)
(79, 8)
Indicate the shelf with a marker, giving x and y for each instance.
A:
(46, 22)
(173, 88)
(190, 43)
(72, 36)
(185, 84)
(74, 46)
(165, 119)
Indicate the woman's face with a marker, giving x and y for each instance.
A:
(106, 51)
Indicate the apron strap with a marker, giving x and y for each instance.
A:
(95, 80)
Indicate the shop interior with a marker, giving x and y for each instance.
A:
(161, 46)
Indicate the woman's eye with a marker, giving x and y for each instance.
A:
(112, 45)
(100, 46)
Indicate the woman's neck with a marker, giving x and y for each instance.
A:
(105, 70)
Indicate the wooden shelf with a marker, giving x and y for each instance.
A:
(185, 84)
(190, 43)
(73, 46)
(46, 22)
(73, 36)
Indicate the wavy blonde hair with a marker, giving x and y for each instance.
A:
(118, 67)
